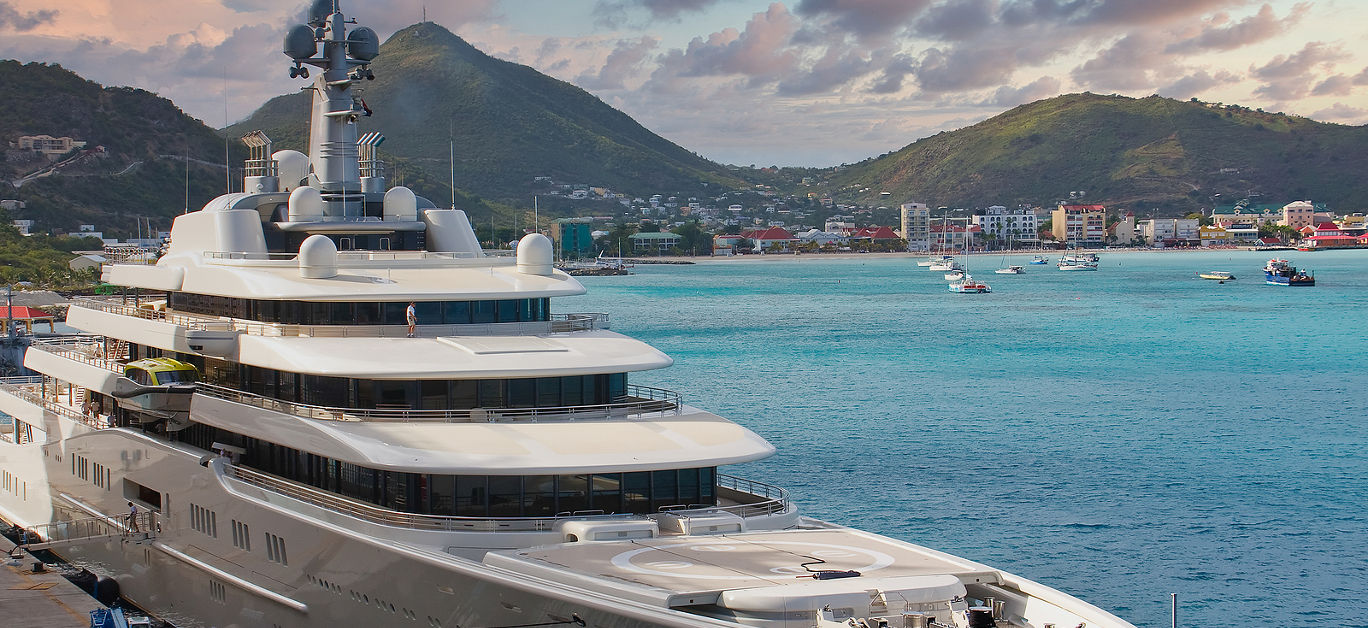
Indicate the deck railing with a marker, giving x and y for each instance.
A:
(559, 323)
(773, 501)
(641, 402)
(32, 393)
(85, 350)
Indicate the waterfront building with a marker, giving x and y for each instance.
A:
(1246, 213)
(1124, 229)
(947, 237)
(843, 227)
(821, 238)
(766, 239)
(654, 243)
(1213, 235)
(1084, 225)
(1170, 231)
(916, 226)
(573, 237)
(1016, 225)
(1298, 214)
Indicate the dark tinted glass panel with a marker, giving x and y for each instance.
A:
(522, 393)
(607, 492)
(470, 495)
(572, 493)
(572, 391)
(505, 496)
(319, 313)
(664, 485)
(688, 486)
(508, 311)
(393, 313)
(484, 312)
(342, 314)
(617, 385)
(707, 483)
(434, 394)
(539, 495)
(525, 310)
(464, 394)
(548, 392)
(429, 312)
(367, 313)
(636, 491)
(390, 394)
(456, 313)
(491, 393)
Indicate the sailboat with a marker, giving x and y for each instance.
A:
(1009, 270)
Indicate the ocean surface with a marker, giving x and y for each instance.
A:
(1119, 435)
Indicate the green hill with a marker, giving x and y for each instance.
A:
(1143, 153)
(509, 123)
(139, 173)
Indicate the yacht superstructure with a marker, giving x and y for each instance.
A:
(491, 465)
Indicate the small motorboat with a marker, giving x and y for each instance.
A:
(1040, 259)
(954, 276)
(1010, 270)
(1217, 275)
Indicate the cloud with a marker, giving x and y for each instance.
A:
(1342, 113)
(759, 52)
(614, 12)
(1126, 65)
(1192, 85)
(1008, 96)
(1361, 78)
(625, 61)
(891, 80)
(863, 18)
(12, 18)
(1337, 85)
(956, 21)
(1217, 35)
(1288, 77)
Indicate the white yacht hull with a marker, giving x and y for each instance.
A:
(331, 569)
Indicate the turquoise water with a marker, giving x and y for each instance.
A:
(1119, 434)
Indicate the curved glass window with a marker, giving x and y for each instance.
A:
(639, 492)
(363, 313)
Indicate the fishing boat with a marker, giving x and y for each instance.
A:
(1280, 272)
(968, 285)
(1217, 275)
(493, 467)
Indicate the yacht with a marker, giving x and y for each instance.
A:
(252, 433)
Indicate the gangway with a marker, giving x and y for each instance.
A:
(143, 526)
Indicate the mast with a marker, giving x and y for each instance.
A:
(344, 59)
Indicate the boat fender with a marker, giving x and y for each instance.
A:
(106, 591)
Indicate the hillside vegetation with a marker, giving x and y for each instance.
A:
(509, 124)
(1140, 153)
(141, 172)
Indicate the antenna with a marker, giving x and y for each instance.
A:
(536, 216)
(451, 139)
(227, 168)
(187, 183)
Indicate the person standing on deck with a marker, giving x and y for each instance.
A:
(412, 315)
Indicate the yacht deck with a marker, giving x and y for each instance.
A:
(691, 571)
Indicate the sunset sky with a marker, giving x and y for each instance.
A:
(800, 82)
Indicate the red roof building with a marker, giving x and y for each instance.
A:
(25, 316)
(875, 233)
(765, 238)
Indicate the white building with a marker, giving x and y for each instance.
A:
(838, 226)
(916, 226)
(1162, 231)
(1015, 225)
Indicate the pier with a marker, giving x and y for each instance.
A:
(43, 598)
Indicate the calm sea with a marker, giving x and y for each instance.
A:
(1119, 435)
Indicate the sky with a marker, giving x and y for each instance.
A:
(793, 82)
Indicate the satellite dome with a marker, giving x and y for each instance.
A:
(300, 43)
(305, 204)
(317, 257)
(363, 44)
(535, 255)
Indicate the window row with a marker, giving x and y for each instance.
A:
(637, 492)
(538, 392)
(365, 313)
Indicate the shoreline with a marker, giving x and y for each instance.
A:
(800, 257)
